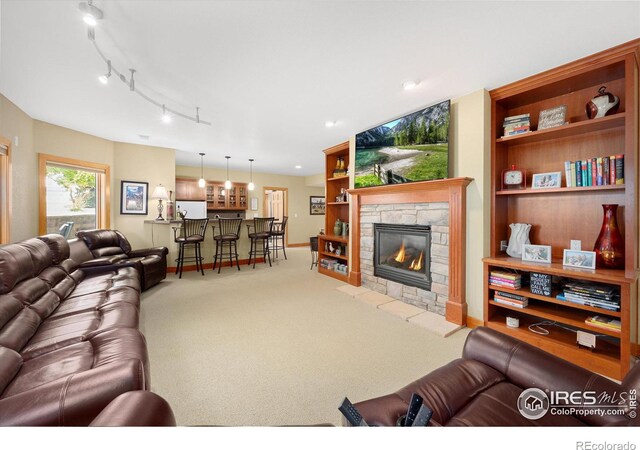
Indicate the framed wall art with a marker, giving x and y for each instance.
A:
(134, 197)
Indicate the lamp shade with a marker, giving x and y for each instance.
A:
(160, 193)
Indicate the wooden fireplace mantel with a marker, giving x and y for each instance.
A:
(451, 190)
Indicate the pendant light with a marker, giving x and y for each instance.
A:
(201, 181)
(251, 185)
(227, 184)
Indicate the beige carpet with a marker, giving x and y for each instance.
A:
(277, 346)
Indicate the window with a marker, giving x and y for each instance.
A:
(5, 190)
(74, 195)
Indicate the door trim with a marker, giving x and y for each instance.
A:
(5, 190)
(286, 206)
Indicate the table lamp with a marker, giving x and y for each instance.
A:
(160, 193)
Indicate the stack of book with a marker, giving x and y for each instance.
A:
(328, 263)
(516, 124)
(505, 279)
(507, 298)
(600, 171)
(592, 294)
(606, 323)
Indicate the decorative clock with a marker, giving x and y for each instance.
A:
(514, 178)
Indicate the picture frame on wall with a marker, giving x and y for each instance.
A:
(546, 180)
(316, 205)
(134, 197)
(536, 253)
(581, 259)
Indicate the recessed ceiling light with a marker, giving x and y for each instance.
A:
(330, 123)
(298, 167)
(411, 84)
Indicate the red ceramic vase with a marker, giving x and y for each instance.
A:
(609, 246)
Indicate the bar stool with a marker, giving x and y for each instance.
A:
(229, 235)
(279, 229)
(191, 233)
(262, 228)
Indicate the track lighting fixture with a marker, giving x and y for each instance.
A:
(166, 118)
(227, 184)
(90, 14)
(201, 182)
(251, 185)
(104, 79)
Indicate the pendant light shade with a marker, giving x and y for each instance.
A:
(227, 184)
(251, 185)
(201, 182)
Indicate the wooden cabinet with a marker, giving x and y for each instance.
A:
(188, 189)
(336, 183)
(560, 214)
(219, 198)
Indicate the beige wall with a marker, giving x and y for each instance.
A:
(158, 168)
(24, 194)
(470, 141)
(302, 225)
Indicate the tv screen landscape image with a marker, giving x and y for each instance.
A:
(412, 148)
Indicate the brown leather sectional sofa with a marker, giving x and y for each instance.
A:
(482, 388)
(69, 341)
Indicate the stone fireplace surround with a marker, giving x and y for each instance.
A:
(440, 203)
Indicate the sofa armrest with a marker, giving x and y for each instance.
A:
(136, 409)
(74, 400)
(103, 261)
(159, 251)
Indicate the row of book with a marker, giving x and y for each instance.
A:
(505, 279)
(516, 124)
(600, 171)
(592, 294)
(606, 323)
(510, 299)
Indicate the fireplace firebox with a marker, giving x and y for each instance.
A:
(402, 253)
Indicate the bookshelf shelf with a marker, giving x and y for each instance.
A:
(338, 203)
(559, 215)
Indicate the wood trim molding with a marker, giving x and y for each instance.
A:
(5, 191)
(453, 191)
(300, 244)
(472, 322)
(104, 184)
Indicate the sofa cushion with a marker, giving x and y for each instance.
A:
(97, 300)
(58, 246)
(16, 265)
(10, 363)
(101, 350)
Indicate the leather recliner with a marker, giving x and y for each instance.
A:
(110, 248)
(482, 388)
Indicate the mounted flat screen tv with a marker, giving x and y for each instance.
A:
(412, 148)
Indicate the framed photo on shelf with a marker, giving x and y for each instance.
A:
(316, 205)
(546, 180)
(133, 197)
(536, 253)
(553, 117)
(582, 259)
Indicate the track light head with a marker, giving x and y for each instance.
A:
(104, 79)
(90, 14)
(166, 118)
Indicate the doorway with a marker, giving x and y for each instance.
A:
(275, 205)
(5, 190)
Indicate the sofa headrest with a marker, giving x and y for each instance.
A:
(104, 242)
(58, 245)
(21, 261)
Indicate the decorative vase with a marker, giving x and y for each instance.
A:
(345, 228)
(609, 246)
(519, 237)
(603, 104)
(170, 212)
(337, 228)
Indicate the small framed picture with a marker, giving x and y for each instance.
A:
(133, 197)
(316, 205)
(553, 117)
(575, 258)
(536, 253)
(546, 180)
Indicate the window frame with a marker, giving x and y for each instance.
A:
(5, 192)
(103, 194)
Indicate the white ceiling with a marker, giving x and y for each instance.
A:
(269, 74)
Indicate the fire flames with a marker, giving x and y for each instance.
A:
(416, 264)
